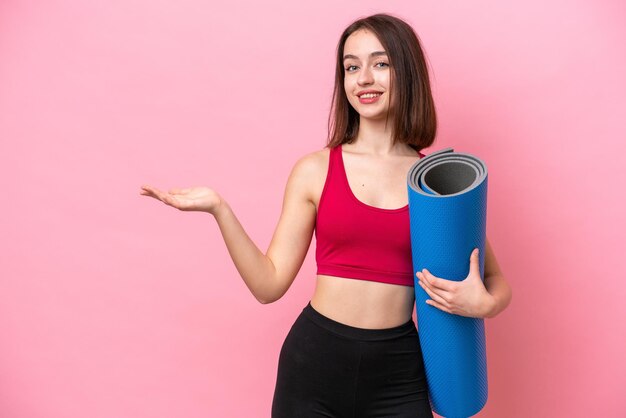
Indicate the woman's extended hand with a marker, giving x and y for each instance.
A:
(468, 297)
(201, 199)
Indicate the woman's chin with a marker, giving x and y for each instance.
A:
(373, 116)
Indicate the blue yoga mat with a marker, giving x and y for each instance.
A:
(448, 213)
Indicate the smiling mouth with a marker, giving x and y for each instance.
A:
(369, 95)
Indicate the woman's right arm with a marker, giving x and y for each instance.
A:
(269, 276)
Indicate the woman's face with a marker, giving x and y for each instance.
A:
(366, 68)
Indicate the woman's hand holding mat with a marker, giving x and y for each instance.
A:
(468, 297)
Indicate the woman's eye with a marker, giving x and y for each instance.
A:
(348, 68)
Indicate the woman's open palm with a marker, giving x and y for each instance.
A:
(198, 198)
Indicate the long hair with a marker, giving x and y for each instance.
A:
(414, 117)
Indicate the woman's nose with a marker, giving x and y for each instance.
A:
(365, 76)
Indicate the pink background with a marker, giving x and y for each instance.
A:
(113, 304)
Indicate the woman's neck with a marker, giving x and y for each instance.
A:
(374, 137)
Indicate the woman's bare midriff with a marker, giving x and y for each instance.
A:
(362, 303)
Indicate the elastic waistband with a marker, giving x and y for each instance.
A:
(364, 334)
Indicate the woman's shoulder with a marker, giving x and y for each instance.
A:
(311, 169)
(313, 162)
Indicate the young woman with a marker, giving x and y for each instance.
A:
(354, 350)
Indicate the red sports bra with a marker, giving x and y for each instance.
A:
(359, 241)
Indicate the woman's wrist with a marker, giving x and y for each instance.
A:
(221, 208)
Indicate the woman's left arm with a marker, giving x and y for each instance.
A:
(495, 283)
(473, 296)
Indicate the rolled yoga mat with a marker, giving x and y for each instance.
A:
(448, 212)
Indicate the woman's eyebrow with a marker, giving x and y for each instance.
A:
(373, 54)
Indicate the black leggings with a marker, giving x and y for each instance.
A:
(330, 369)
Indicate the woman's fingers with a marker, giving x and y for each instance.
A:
(151, 191)
(433, 295)
(147, 191)
(156, 193)
(147, 188)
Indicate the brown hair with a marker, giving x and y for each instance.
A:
(415, 120)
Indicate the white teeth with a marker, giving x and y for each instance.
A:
(370, 95)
